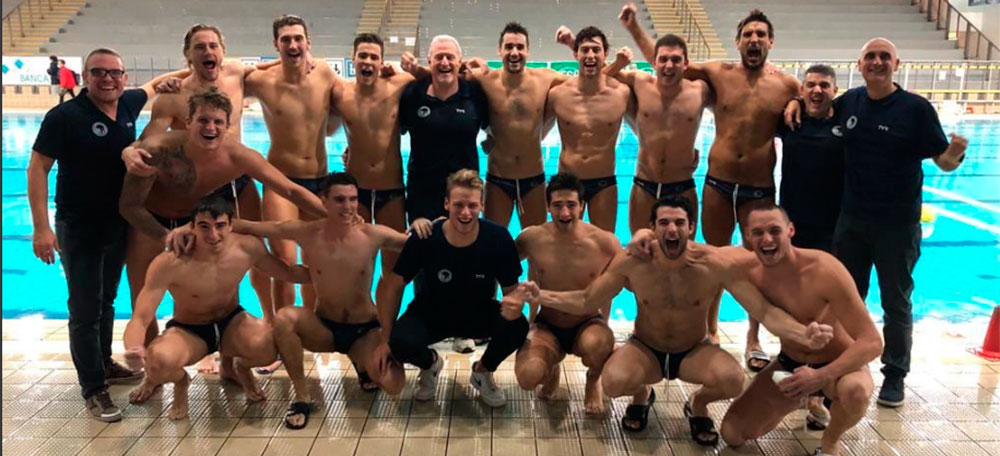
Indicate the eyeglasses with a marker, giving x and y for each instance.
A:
(101, 72)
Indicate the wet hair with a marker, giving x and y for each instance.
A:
(287, 20)
(564, 181)
(755, 15)
(102, 51)
(671, 40)
(767, 206)
(465, 178)
(517, 28)
(201, 28)
(671, 201)
(211, 98)
(825, 70)
(336, 178)
(590, 33)
(369, 38)
(214, 205)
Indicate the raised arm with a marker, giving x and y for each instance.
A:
(258, 168)
(643, 41)
(285, 229)
(170, 81)
(273, 266)
(159, 119)
(954, 155)
(600, 291)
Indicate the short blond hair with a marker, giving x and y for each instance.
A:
(465, 178)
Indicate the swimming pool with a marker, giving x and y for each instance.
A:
(957, 277)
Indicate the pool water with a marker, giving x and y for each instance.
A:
(957, 277)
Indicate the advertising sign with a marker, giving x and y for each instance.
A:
(34, 70)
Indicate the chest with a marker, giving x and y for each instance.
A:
(379, 108)
(764, 96)
(605, 107)
(581, 259)
(524, 101)
(682, 111)
(681, 290)
(207, 280)
(296, 103)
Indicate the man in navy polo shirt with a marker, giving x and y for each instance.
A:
(86, 135)
(887, 132)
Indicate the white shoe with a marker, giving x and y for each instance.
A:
(428, 379)
(491, 393)
(461, 345)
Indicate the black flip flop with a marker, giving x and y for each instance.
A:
(639, 413)
(366, 383)
(298, 408)
(701, 425)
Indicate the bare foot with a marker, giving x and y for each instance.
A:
(548, 389)
(207, 365)
(246, 379)
(142, 392)
(593, 395)
(226, 371)
(179, 407)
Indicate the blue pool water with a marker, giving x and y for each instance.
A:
(957, 277)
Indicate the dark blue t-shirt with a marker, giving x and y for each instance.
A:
(87, 144)
(442, 132)
(460, 276)
(884, 143)
(812, 174)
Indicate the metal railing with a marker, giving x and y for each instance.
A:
(969, 38)
(33, 9)
(697, 44)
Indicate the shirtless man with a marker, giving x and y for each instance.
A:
(341, 255)
(369, 109)
(589, 109)
(205, 51)
(673, 291)
(811, 285)
(749, 100)
(296, 97)
(190, 164)
(207, 314)
(565, 254)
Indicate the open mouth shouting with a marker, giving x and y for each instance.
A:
(755, 54)
(367, 71)
(769, 252)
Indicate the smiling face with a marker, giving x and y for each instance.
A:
(210, 232)
(341, 202)
(672, 229)
(513, 52)
(207, 127)
(565, 208)
(754, 42)
(818, 91)
(770, 234)
(591, 56)
(444, 58)
(205, 54)
(463, 205)
(106, 87)
(669, 65)
(292, 44)
(878, 62)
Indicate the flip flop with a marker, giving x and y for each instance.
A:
(365, 381)
(759, 356)
(819, 421)
(639, 413)
(701, 425)
(298, 408)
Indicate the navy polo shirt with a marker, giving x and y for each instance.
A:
(442, 132)
(87, 144)
(812, 174)
(884, 143)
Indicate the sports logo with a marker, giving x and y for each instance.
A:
(423, 112)
(836, 131)
(444, 276)
(99, 129)
(852, 122)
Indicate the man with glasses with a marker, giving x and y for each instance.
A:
(86, 135)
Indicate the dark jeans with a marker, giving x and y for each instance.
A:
(423, 325)
(92, 254)
(893, 250)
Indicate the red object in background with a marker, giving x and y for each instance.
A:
(66, 79)
(991, 344)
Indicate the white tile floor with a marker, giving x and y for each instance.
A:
(952, 408)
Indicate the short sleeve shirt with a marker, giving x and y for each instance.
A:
(460, 275)
(812, 173)
(885, 142)
(87, 146)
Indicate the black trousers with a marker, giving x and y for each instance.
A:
(92, 255)
(893, 250)
(424, 324)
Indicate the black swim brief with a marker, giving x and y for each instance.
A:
(310, 183)
(670, 363)
(591, 187)
(376, 199)
(171, 223)
(660, 189)
(346, 334)
(211, 333)
(738, 193)
(516, 188)
(231, 191)
(566, 337)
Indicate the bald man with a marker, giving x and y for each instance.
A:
(887, 132)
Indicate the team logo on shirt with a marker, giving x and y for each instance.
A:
(423, 112)
(836, 131)
(444, 276)
(99, 129)
(852, 122)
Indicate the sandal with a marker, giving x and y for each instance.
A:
(818, 420)
(758, 357)
(366, 382)
(298, 408)
(701, 425)
(638, 414)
